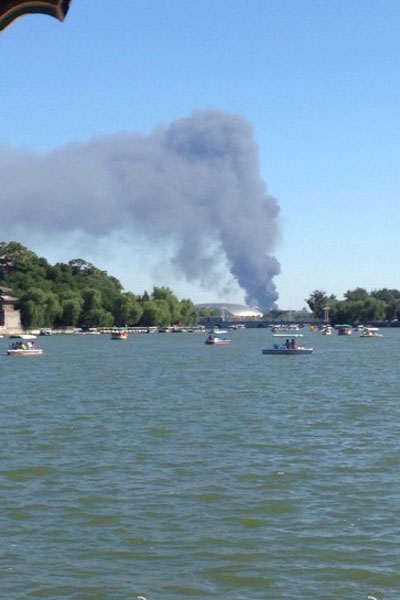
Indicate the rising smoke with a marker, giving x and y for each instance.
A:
(195, 183)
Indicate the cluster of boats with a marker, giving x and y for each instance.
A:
(26, 346)
(291, 347)
(218, 337)
(346, 329)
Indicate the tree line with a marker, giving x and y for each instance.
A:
(79, 294)
(358, 306)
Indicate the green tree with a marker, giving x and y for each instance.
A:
(78, 293)
(347, 311)
(386, 295)
(150, 314)
(165, 294)
(392, 312)
(356, 294)
(164, 317)
(372, 310)
(38, 308)
(52, 309)
(17, 252)
(155, 312)
(98, 317)
(188, 313)
(317, 301)
(127, 310)
(91, 299)
(71, 310)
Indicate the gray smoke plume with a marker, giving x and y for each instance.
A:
(195, 182)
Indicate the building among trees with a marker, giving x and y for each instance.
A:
(10, 318)
(232, 312)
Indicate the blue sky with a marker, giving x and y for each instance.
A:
(318, 81)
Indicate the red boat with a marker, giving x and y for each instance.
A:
(119, 335)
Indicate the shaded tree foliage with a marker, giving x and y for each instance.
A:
(358, 306)
(317, 301)
(79, 294)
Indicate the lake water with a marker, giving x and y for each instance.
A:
(165, 468)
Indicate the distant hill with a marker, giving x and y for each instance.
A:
(79, 294)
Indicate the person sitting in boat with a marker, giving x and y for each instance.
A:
(293, 344)
(287, 344)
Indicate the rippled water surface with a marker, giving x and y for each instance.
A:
(166, 468)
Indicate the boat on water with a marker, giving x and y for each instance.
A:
(285, 328)
(326, 330)
(370, 332)
(218, 331)
(293, 335)
(23, 336)
(119, 335)
(21, 349)
(282, 349)
(345, 329)
(24, 352)
(89, 331)
(214, 340)
(46, 331)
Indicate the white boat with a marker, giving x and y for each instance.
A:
(283, 328)
(213, 340)
(284, 335)
(326, 330)
(23, 336)
(371, 332)
(218, 331)
(282, 349)
(287, 349)
(24, 351)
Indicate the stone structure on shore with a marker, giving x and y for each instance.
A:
(10, 318)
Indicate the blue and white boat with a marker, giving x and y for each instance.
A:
(282, 349)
